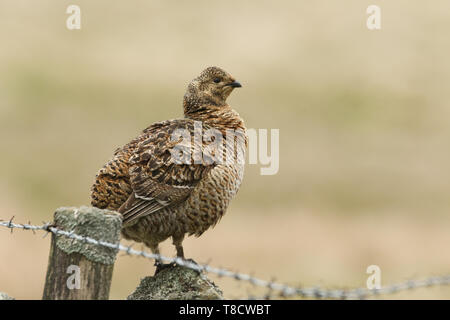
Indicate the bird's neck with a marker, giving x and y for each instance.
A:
(222, 118)
(217, 115)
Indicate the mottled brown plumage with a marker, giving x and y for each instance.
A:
(161, 196)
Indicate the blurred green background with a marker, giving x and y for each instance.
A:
(363, 118)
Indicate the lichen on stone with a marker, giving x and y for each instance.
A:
(90, 222)
(177, 283)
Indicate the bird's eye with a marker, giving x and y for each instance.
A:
(216, 80)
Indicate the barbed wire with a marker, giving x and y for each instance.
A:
(275, 290)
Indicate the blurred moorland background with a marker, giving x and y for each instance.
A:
(363, 116)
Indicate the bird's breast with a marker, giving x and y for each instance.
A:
(209, 200)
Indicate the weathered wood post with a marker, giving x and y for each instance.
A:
(78, 270)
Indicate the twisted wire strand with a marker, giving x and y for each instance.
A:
(275, 289)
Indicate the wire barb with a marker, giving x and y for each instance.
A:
(275, 289)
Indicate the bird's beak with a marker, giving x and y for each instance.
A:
(234, 84)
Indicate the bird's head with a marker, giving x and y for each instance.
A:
(211, 87)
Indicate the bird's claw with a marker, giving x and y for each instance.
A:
(192, 261)
(161, 266)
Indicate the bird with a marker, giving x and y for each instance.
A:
(172, 180)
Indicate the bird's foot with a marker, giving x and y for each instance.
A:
(161, 266)
(191, 261)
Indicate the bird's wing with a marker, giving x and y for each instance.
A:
(158, 178)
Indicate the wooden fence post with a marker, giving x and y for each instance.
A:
(78, 270)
